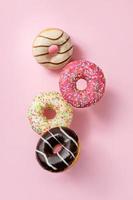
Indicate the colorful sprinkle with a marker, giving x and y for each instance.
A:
(55, 101)
(88, 71)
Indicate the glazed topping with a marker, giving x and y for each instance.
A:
(92, 75)
(61, 159)
(49, 110)
(52, 48)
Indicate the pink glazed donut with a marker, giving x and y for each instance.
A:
(95, 83)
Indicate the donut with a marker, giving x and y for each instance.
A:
(52, 48)
(49, 100)
(65, 156)
(78, 70)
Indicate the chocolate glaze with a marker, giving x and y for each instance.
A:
(57, 162)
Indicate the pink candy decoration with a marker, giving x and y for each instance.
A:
(88, 71)
(53, 49)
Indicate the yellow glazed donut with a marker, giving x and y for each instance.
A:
(52, 48)
(53, 100)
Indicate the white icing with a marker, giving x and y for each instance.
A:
(54, 100)
(40, 50)
(63, 42)
(55, 59)
(47, 142)
(65, 47)
(69, 136)
(44, 155)
(62, 159)
(47, 42)
(51, 33)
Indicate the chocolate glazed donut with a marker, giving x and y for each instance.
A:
(61, 160)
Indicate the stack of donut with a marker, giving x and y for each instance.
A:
(53, 49)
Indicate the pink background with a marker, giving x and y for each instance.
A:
(102, 32)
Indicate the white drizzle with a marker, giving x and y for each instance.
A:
(62, 159)
(47, 142)
(62, 144)
(68, 136)
(43, 154)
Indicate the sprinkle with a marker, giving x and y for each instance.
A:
(54, 100)
(88, 71)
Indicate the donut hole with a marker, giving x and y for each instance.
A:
(81, 84)
(49, 113)
(57, 148)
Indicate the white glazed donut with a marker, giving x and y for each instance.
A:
(39, 122)
(52, 48)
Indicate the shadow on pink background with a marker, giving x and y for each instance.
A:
(102, 32)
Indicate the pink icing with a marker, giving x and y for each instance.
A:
(53, 49)
(88, 71)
